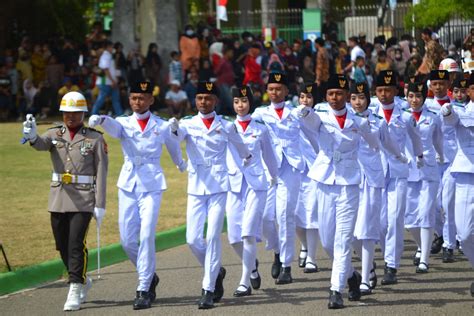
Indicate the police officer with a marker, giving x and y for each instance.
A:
(400, 125)
(337, 172)
(423, 182)
(79, 158)
(248, 189)
(463, 170)
(284, 125)
(141, 183)
(207, 137)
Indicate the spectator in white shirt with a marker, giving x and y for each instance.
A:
(356, 51)
(176, 100)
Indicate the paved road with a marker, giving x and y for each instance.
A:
(443, 291)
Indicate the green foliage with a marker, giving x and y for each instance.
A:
(434, 13)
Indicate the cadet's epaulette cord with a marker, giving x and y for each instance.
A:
(94, 130)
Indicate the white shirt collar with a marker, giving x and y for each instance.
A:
(207, 116)
(244, 118)
(142, 116)
(278, 105)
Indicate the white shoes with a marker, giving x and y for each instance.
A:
(73, 302)
(85, 288)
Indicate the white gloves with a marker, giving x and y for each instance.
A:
(95, 120)
(247, 160)
(302, 110)
(174, 124)
(439, 159)
(402, 158)
(446, 109)
(99, 214)
(420, 162)
(273, 182)
(182, 166)
(29, 128)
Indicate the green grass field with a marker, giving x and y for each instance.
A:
(24, 219)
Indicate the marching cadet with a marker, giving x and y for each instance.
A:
(463, 171)
(445, 233)
(460, 97)
(141, 183)
(248, 189)
(79, 158)
(284, 125)
(306, 207)
(367, 226)
(400, 124)
(423, 182)
(337, 173)
(207, 137)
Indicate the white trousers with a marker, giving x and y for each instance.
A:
(138, 216)
(244, 213)
(421, 204)
(465, 213)
(337, 212)
(368, 217)
(307, 205)
(286, 198)
(392, 217)
(445, 223)
(208, 250)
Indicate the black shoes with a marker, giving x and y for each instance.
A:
(258, 280)
(219, 288)
(416, 257)
(335, 300)
(310, 267)
(472, 289)
(422, 268)
(142, 300)
(373, 277)
(206, 300)
(390, 276)
(448, 255)
(301, 259)
(285, 276)
(153, 285)
(437, 244)
(276, 266)
(354, 286)
(365, 289)
(247, 292)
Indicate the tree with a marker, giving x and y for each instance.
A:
(435, 13)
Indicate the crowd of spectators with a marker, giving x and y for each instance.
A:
(34, 76)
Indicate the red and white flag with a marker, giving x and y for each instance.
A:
(222, 10)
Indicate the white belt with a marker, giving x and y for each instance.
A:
(338, 156)
(139, 160)
(210, 162)
(285, 142)
(68, 178)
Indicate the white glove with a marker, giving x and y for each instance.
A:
(174, 124)
(95, 120)
(273, 182)
(99, 214)
(247, 160)
(29, 128)
(439, 159)
(402, 158)
(182, 166)
(420, 162)
(446, 109)
(302, 110)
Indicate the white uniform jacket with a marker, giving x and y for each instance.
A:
(370, 158)
(449, 133)
(307, 149)
(463, 122)
(285, 133)
(429, 127)
(141, 170)
(401, 125)
(336, 162)
(207, 151)
(257, 138)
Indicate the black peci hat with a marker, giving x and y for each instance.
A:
(338, 82)
(243, 92)
(460, 83)
(278, 77)
(439, 75)
(386, 78)
(206, 87)
(141, 87)
(309, 88)
(418, 87)
(362, 87)
(470, 81)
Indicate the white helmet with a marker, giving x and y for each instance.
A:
(73, 102)
(450, 65)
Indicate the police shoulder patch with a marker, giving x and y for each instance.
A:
(323, 111)
(429, 111)
(260, 122)
(377, 116)
(94, 130)
(187, 117)
(58, 126)
(406, 110)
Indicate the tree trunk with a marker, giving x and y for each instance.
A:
(166, 30)
(123, 26)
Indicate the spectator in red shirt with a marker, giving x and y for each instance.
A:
(253, 70)
(224, 72)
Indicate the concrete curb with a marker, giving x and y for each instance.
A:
(54, 269)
